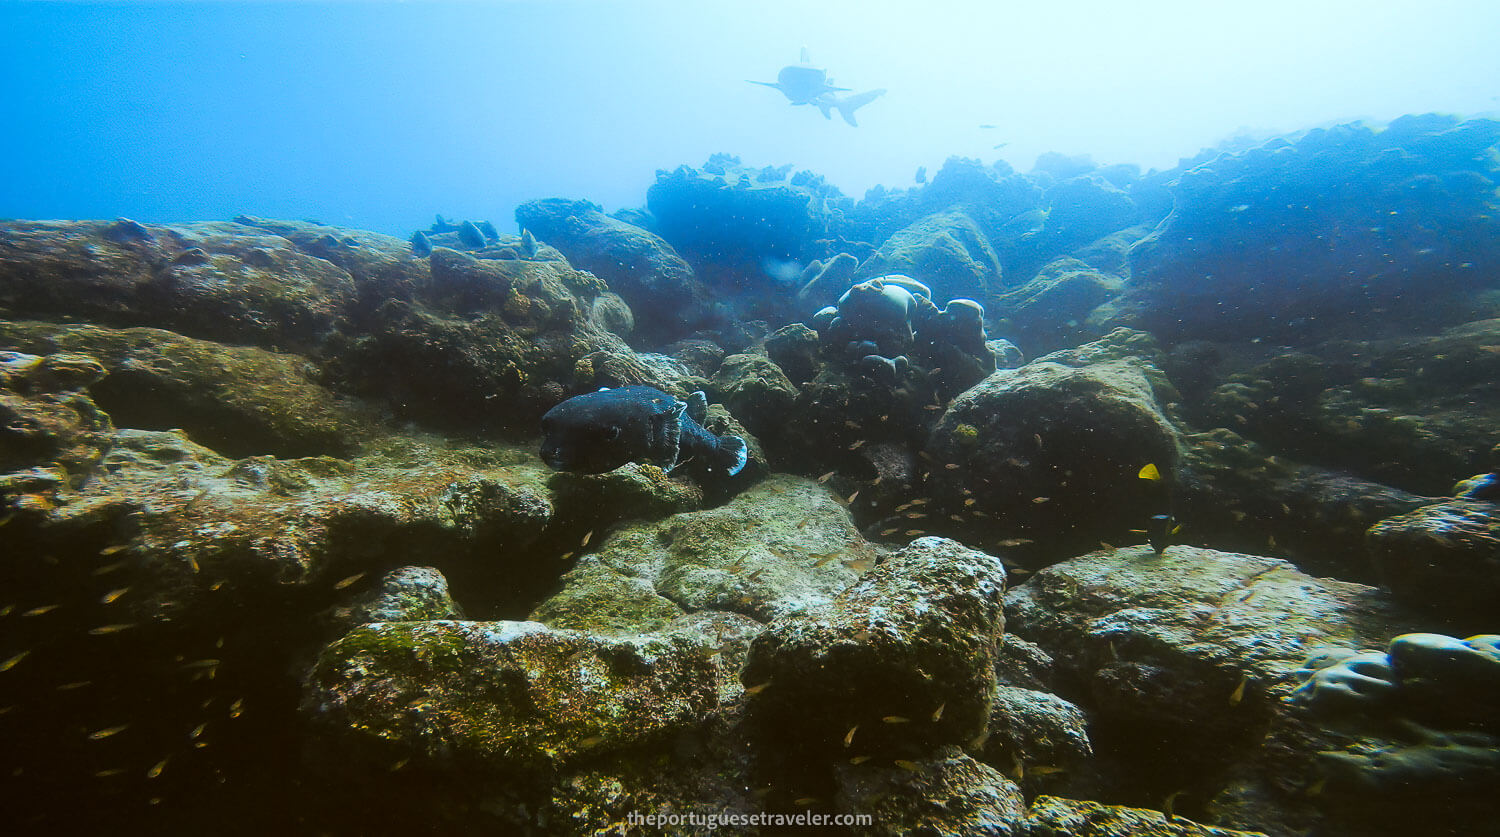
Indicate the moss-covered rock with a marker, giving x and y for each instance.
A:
(780, 547)
(503, 697)
(947, 795)
(756, 391)
(1444, 558)
(946, 251)
(1056, 456)
(238, 400)
(53, 433)
(644, 270)
(1051, 310)
(212, 281)
(907, 655)
(1052, 816)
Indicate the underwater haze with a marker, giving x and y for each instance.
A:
(377, 115)
(732, 419)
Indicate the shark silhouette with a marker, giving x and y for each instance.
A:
(804, 84)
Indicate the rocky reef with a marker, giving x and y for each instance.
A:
(1079, 501)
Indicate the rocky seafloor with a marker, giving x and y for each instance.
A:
(1080, 501)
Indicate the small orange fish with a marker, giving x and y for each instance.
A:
(96, 735)
(349, 582)
(849, 736)
(895, 719)
(826, 477)
(1239, 691)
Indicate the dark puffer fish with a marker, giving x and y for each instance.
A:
(603, 430)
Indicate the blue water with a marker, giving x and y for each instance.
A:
(378, 115)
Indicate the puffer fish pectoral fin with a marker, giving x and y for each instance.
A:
(697, 406)
(666, 434)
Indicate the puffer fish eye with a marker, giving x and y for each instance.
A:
(612, 433)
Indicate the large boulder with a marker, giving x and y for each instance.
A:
(726, 217)
(1051, 452)
(946, 251)
(781, 547)
(228, 281)
(238, 400)
(1415, 411)
(1444, 558)
(903, 658)
(1051, 311)
(513, 697)
(1168, 650)
(661, 289)
(1336, 231)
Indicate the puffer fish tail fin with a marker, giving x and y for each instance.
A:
(734, 452)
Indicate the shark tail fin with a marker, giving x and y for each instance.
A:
(849, 104)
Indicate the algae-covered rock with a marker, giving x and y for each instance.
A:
(756, 391)
(1190, 645)
(1412, 411)
(195, 526)
(53, 433)
(907, 655)
(1051, 310)
(508, 697)
(639, 266)
(1255, 501)
(1052, 816)
(1444, 558)
(946, 251)
(1036, 736)
(238, 400)
(216, 281)
(1169, 637)
(1051, 453)
(947, 795)
(1291, 240)
(794, 348)
(780, 547)
(407, 594)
